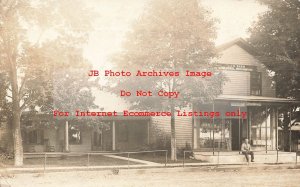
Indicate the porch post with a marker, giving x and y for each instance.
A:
(222, 133)
(239, 129)
(230, 133)
(193, 126)
(113, 136)
(272, 120)
(276, 128)
(196, 133)
(67, 136)
(290, 136)
(266, 130)
(249, 124)
(148, 132)
(213, 125)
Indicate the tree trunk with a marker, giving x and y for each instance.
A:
(173, 134)
(18, 147)
(16, 115)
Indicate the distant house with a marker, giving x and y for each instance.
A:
(43, 133)
(294, 136)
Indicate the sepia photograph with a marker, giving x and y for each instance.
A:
(146, 93)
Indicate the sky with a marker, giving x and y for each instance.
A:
(117, 16)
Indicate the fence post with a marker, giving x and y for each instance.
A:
(88, 164)
(166, 160)
(218, 156)
(45, 160)
(183, 157)
(277, 156)
(128, 160)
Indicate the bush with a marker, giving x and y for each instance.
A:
(187, 147)
(4, 155)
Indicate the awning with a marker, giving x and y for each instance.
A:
(294, 128)
(255, 99)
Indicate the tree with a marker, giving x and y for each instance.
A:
(67, 85)
(24, 64)
(170, 36)
(276, 35)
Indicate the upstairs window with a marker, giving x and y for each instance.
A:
(255, 83)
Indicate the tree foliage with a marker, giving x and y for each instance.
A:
(170, 35)
(27, 68)
(276, 35)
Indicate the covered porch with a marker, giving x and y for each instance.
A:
(42, 133)
(227, 132)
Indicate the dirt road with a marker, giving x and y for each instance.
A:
(160, 177)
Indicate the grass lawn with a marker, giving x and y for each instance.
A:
(159, 158)
(94, 160)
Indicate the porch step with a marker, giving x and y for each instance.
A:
(235, 157)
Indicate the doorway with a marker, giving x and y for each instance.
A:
(236, 136)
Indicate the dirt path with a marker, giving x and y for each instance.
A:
(161, 177)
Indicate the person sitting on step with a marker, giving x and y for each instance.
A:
(246, 150)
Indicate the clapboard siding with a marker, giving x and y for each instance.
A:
(162, 123)
(239, 81)
(183, 128)
(237, 55)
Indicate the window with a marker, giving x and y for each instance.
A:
(36, 137)
(255, 83)
(97, 139)
(29, 123)
(123, 132)
(75, 136)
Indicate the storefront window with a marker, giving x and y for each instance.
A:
(214, 136)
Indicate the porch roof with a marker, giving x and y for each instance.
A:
(256, 99)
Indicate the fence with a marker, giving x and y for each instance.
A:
(47, 155)
(128, 155)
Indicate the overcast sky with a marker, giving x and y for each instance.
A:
(116, 17)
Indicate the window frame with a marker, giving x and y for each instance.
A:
(255, 78)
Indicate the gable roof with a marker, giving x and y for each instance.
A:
(240, 42)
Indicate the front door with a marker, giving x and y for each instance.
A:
(236, 135)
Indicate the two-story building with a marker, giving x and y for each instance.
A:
(249, 90)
